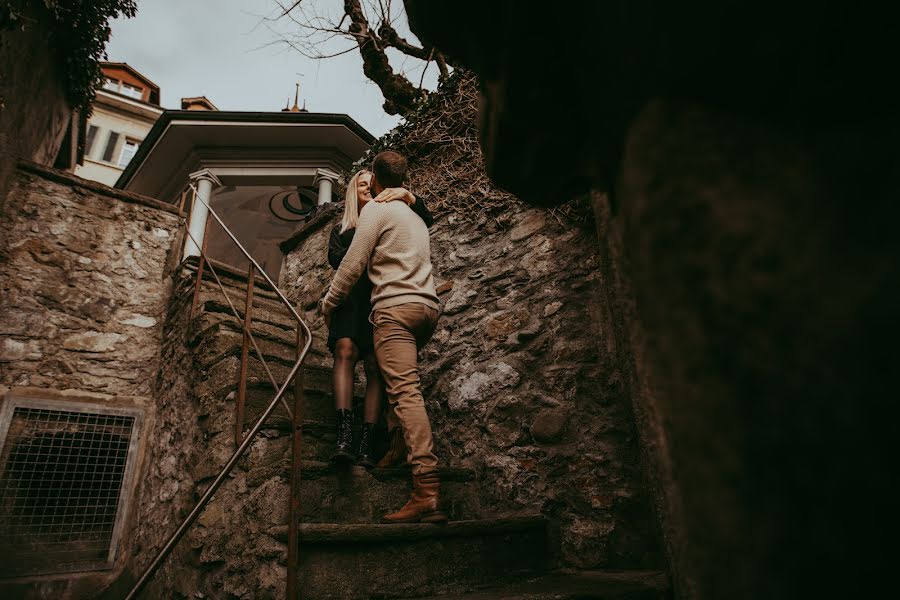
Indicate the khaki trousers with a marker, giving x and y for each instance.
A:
(400, 331)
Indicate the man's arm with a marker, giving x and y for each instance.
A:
(368, 232)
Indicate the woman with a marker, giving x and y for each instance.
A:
(350, 333)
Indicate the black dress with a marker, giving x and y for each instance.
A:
(351, 318)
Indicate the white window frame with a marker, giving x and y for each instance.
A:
(132, 91)
(128, 143)
(89, 148)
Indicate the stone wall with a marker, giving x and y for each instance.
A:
(84, 285)
(85, 288)
(523, 380)
(305, 275)
(167, 493)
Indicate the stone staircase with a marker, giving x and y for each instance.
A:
(344, 552)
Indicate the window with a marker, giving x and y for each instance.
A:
(89, 140)
(111, 142)
(134, 92)
(111, 84)
(128, 150)
(65, 475)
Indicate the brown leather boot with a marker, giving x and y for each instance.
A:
(424, 504)
(396, 454)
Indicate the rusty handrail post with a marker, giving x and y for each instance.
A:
(217, 482)
(293, 564)
(296, 416)
(245, 350)
(201, 264)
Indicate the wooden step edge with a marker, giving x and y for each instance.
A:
(340, 533)
(313, 469)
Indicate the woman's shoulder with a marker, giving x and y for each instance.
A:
(346, 236)
(336, 230)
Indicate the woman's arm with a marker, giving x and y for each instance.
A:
(421, 209)
(414, 202)
(336, 248)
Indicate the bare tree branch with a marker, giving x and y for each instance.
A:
(317, 30)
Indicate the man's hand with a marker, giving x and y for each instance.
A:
(398, 193)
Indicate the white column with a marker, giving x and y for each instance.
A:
(205, 183)
(325, 181)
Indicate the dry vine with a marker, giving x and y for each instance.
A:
(440, 139)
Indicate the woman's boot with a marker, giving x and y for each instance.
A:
(364, 456)
(343, 448)
(396, 453)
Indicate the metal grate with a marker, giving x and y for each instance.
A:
(64, 474)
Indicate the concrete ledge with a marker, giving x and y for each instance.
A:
(75, 181)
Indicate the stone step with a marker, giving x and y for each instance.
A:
(318, 402)
(214, 340)
(319, 438)
(349, 494)
(214, 306)
(228, 275)
(223, 362)
(235, 284)
(314, 469)
(583, 585)
(219, 390)
(351, 562)
(356, 497)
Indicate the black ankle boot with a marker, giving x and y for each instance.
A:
(364, 456)
(343, 448)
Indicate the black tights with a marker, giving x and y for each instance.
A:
(346, 355)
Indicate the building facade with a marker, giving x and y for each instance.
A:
(125, 109)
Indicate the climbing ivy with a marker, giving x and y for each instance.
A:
(79, 31)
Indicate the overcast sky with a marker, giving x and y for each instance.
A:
(223, 50)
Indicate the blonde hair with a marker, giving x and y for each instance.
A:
(351, 202)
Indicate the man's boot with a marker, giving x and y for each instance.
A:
(364, 457)
(343, 448)
(396, 453)
(424, 504)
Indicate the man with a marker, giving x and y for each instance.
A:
(392, 241)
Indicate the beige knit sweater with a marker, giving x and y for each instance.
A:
(392, 242)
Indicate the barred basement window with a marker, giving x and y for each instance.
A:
(65, 472)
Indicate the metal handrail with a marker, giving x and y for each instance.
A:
(295, 376)
(246, 330)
